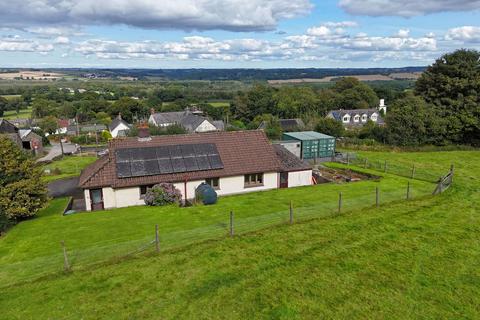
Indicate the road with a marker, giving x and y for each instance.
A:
(56, 150)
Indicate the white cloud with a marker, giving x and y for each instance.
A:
(18, 44)
(406, 8)
(234, 15)
(62, 40)
(403, 33)
(466, 34)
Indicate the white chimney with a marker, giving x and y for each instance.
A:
(382, 106)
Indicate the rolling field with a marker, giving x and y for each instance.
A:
(12, 114)
(404, 260)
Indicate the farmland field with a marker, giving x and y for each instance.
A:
(12, 114)
(404, 260)
(69, 166)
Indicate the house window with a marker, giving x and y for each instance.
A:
(253, 180)
(346, 118)
(143, 190)
(364, 118)
(374, 117)
(356, 118)
(213, 182)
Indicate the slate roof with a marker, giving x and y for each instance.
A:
(286, 124)
(289, 162)
(116, 122)
(186, 119)
(242, 152)
(7, 127)
(339, 114)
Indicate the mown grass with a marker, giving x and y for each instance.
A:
(12, 114)
(69, 166)
(416, 259)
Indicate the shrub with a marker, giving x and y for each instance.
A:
(162, 194)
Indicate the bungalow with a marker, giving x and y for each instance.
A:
(231, 162)
(119, 127)
(359, 117)
(193, 123)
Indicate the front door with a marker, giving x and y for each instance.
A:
(283, 179)
(96, 199)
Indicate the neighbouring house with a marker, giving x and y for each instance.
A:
(359, 117)
(286, 124)
(64, 125)
(92, 128)
(22, 122)
(119, 127)
(9, 130)
(193, 123)
(231, 162)
(309, 144)
(31, 141)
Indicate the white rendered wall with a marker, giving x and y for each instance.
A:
(236, 184)
(88, 205)
(299, 178)
(126, 197)
(109, 199)
(120, 127)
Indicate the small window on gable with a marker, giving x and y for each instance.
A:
(364, 118)
(374, 117)
(346, 118)
(356, 118)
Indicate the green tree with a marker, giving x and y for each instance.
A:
(49, 124)
(354, 94)
(330, 127)
(452, 84)
(42, 107)
(22, 192)
(292, 102)
(129, 108)
(272, 129)
(3, 105)
(411, 121)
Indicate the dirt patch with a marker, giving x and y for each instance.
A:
(325, 175)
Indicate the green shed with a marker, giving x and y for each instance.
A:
(313, 144)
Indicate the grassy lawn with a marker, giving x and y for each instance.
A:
(69, 166)
(415, 259)
(12, 114)
(220, 103)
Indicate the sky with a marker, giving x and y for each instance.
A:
(234, 33)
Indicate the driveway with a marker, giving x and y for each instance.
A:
(65, 188)
(56, 150)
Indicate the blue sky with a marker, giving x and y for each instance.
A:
(234, 33)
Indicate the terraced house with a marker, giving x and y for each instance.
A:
(231, 162)
(359, 117)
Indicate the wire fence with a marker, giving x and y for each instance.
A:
(75, 257)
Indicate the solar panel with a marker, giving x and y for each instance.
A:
(190, 163)
(165, 166)
(123, 155)
(123, 170)
(178, 165)
(215, 162)
(203, 163)
(137, 162)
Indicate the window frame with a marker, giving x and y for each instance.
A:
(346, 117)
(364, 118)
(356, 118)
(215, 187)
(253, 180)
(147, 186)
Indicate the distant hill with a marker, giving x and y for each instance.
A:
(232, 74)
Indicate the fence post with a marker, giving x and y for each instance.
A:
(157, 239)
(451, 171)
(377, 197)
(340, 202)
(385, 166)
(291, 212)
(440, 185)
(348, 159)
(413, 171)
(66, 265)
(231, 224)
(365, 164)
(408, 190)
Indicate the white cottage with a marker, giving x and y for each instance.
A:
(119, 127)
(231, 162)
(187, 119)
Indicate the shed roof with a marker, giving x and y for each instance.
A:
(308, 135)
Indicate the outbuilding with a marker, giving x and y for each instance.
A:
(313, 145)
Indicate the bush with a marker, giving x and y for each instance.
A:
(162, 194)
